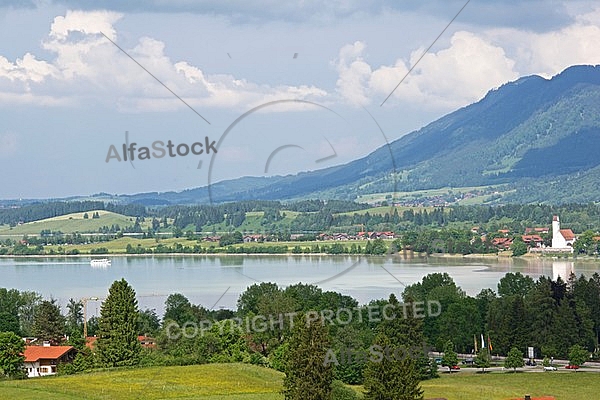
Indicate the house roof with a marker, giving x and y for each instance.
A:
(567, 234)
(529, 238)
(34, 353)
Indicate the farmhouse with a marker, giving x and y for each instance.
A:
(43, 360)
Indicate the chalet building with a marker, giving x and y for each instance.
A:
(375, 235)
(533, 240)
(43, 360)
(562, 239)
(145, 341)
(254, 238)
(502, 242)
(538, 231)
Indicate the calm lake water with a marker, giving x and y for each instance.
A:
(217, 281)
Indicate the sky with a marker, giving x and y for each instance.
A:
(261, 88)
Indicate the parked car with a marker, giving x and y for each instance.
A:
(572, 366)
(468, 361)
(454, 368)
(531, 363)
(551, 368)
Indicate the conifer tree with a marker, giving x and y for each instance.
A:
(48, 322)
(118, 343)
(396, 374)
(309, 374)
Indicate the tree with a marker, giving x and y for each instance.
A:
(48, 322)
(118, 343)
(12, 348)
(396, 378)
(585, 243)
(248, 301)
(10, 303)
(29, 302)
(483, 359)
(9, 322)
(578, 355)
(74, 320)
(515, 284)
(518, 247)
(514, 359)
(307, 374)
(450, 357)
(148, 322)
(179, 309)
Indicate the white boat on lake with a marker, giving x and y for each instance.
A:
(100, 262)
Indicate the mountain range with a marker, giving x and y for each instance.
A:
(537, 137)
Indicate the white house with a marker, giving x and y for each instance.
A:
(562, 239)
(43, 360)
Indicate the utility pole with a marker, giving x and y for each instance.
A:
(85, 301)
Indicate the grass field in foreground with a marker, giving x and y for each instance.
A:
(566, 385)
(247, 382)
(209, 381)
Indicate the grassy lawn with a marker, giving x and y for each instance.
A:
(503, 386)
(248, 382)
(209, 381)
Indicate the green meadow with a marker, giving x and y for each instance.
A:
(248, 382)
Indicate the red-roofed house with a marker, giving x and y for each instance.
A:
(533, 240)
(502, 242)
(42, 360)
(147, 342)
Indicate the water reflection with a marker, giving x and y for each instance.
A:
(562, 269)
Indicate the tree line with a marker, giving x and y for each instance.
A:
(558, 318)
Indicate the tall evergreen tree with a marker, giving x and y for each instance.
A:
(117, 343)
(450, 357)
(308, 375)
(48, 322)
(391, 377)
(74, 320)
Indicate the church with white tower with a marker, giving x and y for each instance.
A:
(562, 239)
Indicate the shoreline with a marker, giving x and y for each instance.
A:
(403, 255)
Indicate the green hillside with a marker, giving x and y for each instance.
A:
(530, 131)
(70, 223)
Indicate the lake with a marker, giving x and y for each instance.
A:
(217, 281)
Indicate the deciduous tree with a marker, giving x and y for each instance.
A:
(12, 348)
(514, 359)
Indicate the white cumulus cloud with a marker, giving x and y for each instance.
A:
(87, 65)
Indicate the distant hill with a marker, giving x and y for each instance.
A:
(70, 223)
